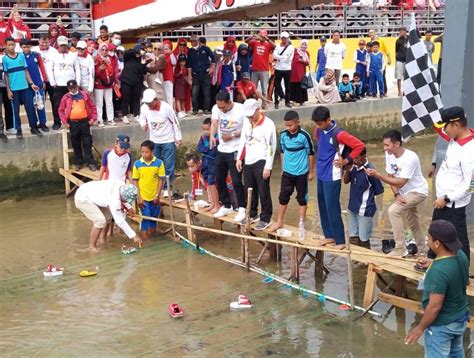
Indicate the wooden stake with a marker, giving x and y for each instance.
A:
(349, 268)
(188, 218)
(247, 226)
(67, 184)
(170, 203)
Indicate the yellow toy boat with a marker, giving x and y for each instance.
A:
(86, 273)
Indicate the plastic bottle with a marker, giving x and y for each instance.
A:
(301, 230)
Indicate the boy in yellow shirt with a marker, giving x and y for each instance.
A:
(148, 174)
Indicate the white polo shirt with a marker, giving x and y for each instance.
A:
(335, 53)
(162, 124)
(228, 123)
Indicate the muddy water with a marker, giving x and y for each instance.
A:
(122, 311)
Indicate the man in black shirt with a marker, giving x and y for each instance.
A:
(200, 64)
(400, 56)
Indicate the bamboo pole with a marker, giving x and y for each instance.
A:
(349, 265)
(170, 203)
(67, 183)
(187, 215)
(247, 226)
(281, 242)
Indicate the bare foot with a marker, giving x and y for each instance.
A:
(102, 241)
(214, 210)
(339, 247)
(275, 227)
(327, 242)
(93, 250)
(208, 208)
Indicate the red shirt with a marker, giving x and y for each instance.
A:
(168, 70)
(261, 55)
(248, 89)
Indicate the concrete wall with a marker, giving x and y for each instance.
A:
(35, 161)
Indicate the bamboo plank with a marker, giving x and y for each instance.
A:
(370, 284)
(401, 302)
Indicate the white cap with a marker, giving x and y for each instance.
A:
(285, 34)
(62, 40)
(121, 48)
(250, 106)
(81, 44)
(149, 95)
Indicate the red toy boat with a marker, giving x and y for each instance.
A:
(175, 311)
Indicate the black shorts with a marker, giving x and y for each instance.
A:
(289, 183)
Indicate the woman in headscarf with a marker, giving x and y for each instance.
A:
(168, 71)
(106, 71)
(182, 49)
(4, 31)
(243, 62)
(54, 31)
(298, 71)
(17, 28)
(326, 90)
(230, 45)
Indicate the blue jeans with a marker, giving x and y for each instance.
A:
(167, 153)
(41, 113)
(24, 96)
(376, 78)
(360, 226)
(445, 341)
(320, 73)
(329, 193)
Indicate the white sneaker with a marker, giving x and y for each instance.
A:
(165, 193)
(240, 215)
(181, 115)
(112, 122)
(136, 119)
(223, 211)
(101, 124)
(11, 131)
(125, 120)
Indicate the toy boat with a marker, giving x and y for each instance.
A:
(242, 303)
(52, 271)
(175, 310)
(86, 273)
(128, 250)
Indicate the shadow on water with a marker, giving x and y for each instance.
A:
(123, 310)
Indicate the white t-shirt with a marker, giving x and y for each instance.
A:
(162, 124)
(86, 64)
(228, 123)
(334, 55)
(407, 167)
(46, 56)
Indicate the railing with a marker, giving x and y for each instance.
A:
(351, 21)
(75, 15)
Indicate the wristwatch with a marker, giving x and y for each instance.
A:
(446, 199)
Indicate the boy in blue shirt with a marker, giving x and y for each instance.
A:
(375, 67)
(346, 90)
(297, 161)
(321, 60)
(361, 59)
(208, 172)
(18, 83)
(38, 75)
(361, 208)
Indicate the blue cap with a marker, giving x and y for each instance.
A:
(123, 141)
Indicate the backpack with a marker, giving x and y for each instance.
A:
(335, 143)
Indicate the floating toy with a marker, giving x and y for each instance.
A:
(284, 233)
(344, 307)
(175, 310)
(86, 273)
(52, 271)
(128, 250)
(242, 303)
(268, 279)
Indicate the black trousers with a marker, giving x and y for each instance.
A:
(253, 178)
(58, 93)
(384, 82)
(81, 140)
(225, 163)
(456, 216)
(7, 106)
(131, 96)
(49, 91)
(201, 86)
(279, 75)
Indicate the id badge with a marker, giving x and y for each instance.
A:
(198, 192)
(421, 284)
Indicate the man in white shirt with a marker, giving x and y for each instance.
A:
(335, 53)
(160, 121)
(46, 52)
(410, 189)
(86, 65)
(64, 67)
(100, 201)
(455, 177)
(227, 121)
(283, 56)
(257, 147)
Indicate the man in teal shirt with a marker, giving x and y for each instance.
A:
(444, 294)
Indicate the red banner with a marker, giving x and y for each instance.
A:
(110, 7)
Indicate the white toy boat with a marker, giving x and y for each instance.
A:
(242, 303)
(128, 250)
(52, 271)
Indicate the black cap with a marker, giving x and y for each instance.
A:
(323, 38)
(451, 114)
(71, 83)
(202, 40)
(445, 232)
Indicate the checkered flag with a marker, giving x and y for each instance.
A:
(421, 99)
